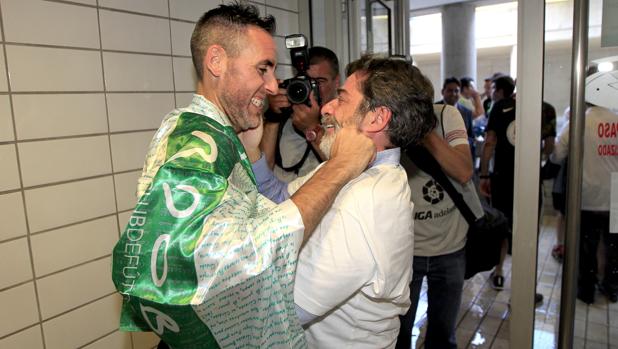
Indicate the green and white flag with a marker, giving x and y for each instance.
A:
(206, 262)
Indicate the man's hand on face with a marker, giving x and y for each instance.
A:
(306, 118)
(352, 150)
(251, 141)
(278, 101)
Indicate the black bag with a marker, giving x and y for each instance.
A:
(484, 241)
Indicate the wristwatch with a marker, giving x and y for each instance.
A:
(311, 135)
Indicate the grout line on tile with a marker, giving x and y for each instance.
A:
(92, 49)
(98, 339)
(73, 223)
(36, 278)
(85, 135)
(21, 330)
(169, 12)
(74, 266)
(109, 137)
(51, 184)
(91, 92)
(77, 307)
(21, 180)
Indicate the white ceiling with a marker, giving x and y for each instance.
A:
(416, 5)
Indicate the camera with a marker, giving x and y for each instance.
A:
(300, 87)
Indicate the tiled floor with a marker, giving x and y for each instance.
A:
(484, 314)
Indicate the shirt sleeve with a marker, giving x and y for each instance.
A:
(455, 132)
(268, 184)
(304, 316)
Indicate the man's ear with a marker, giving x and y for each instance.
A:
(215, 60)
(378, 119)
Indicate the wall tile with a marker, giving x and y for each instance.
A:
(123, 218)
(21, 303)
(144, 340)
(283, 54)
(291, 5)
(153, 7)
(261, 7)
(126, 185)
(138, 111)
(181, 37)
(56, 23)
(14, 262)
(6, 120)
(130, 32)
(284, 72)
(30, 338)
(62, 248)
(64, 159)
(184, 74)
(287, 22)
(74, 287)
(116, 340)
(54, 69)
(129, 150)
(191, 10)
(4, 82)
(57, 115)
(93, 321)
(183, 99)
(12, 216)
(57, 205)
(86, 2)
(135, 72)
(9, 176)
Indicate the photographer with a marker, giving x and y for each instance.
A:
(290, 138)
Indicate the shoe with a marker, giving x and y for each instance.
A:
(538, 299)
(558, 253)
(497, 282)
(611, 294)
(586, 295)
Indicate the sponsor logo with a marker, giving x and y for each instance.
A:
(162, 321)
(433, 192)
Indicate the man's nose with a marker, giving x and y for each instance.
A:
(328, 107)
(271, 84)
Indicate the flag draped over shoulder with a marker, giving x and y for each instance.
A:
(204, 261)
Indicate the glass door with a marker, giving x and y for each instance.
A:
(376, 32)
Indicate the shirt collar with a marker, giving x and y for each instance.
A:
(387, 157)
(203, 106)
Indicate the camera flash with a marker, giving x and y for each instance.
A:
(294, 41)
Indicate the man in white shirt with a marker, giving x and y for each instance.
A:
(600, 161)
(353, 274)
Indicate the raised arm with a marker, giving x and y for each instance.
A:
(350, 155)
(455, 161)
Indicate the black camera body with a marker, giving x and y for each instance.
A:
(300, 87)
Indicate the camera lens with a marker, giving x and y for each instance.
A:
(298, 91)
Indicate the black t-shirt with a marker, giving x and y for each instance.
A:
(487, 105)
(502, 122)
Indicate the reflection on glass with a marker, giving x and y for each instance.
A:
(376, 33)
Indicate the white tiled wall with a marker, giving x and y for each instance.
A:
(88, 83)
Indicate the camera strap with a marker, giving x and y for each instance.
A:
(296, 167)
